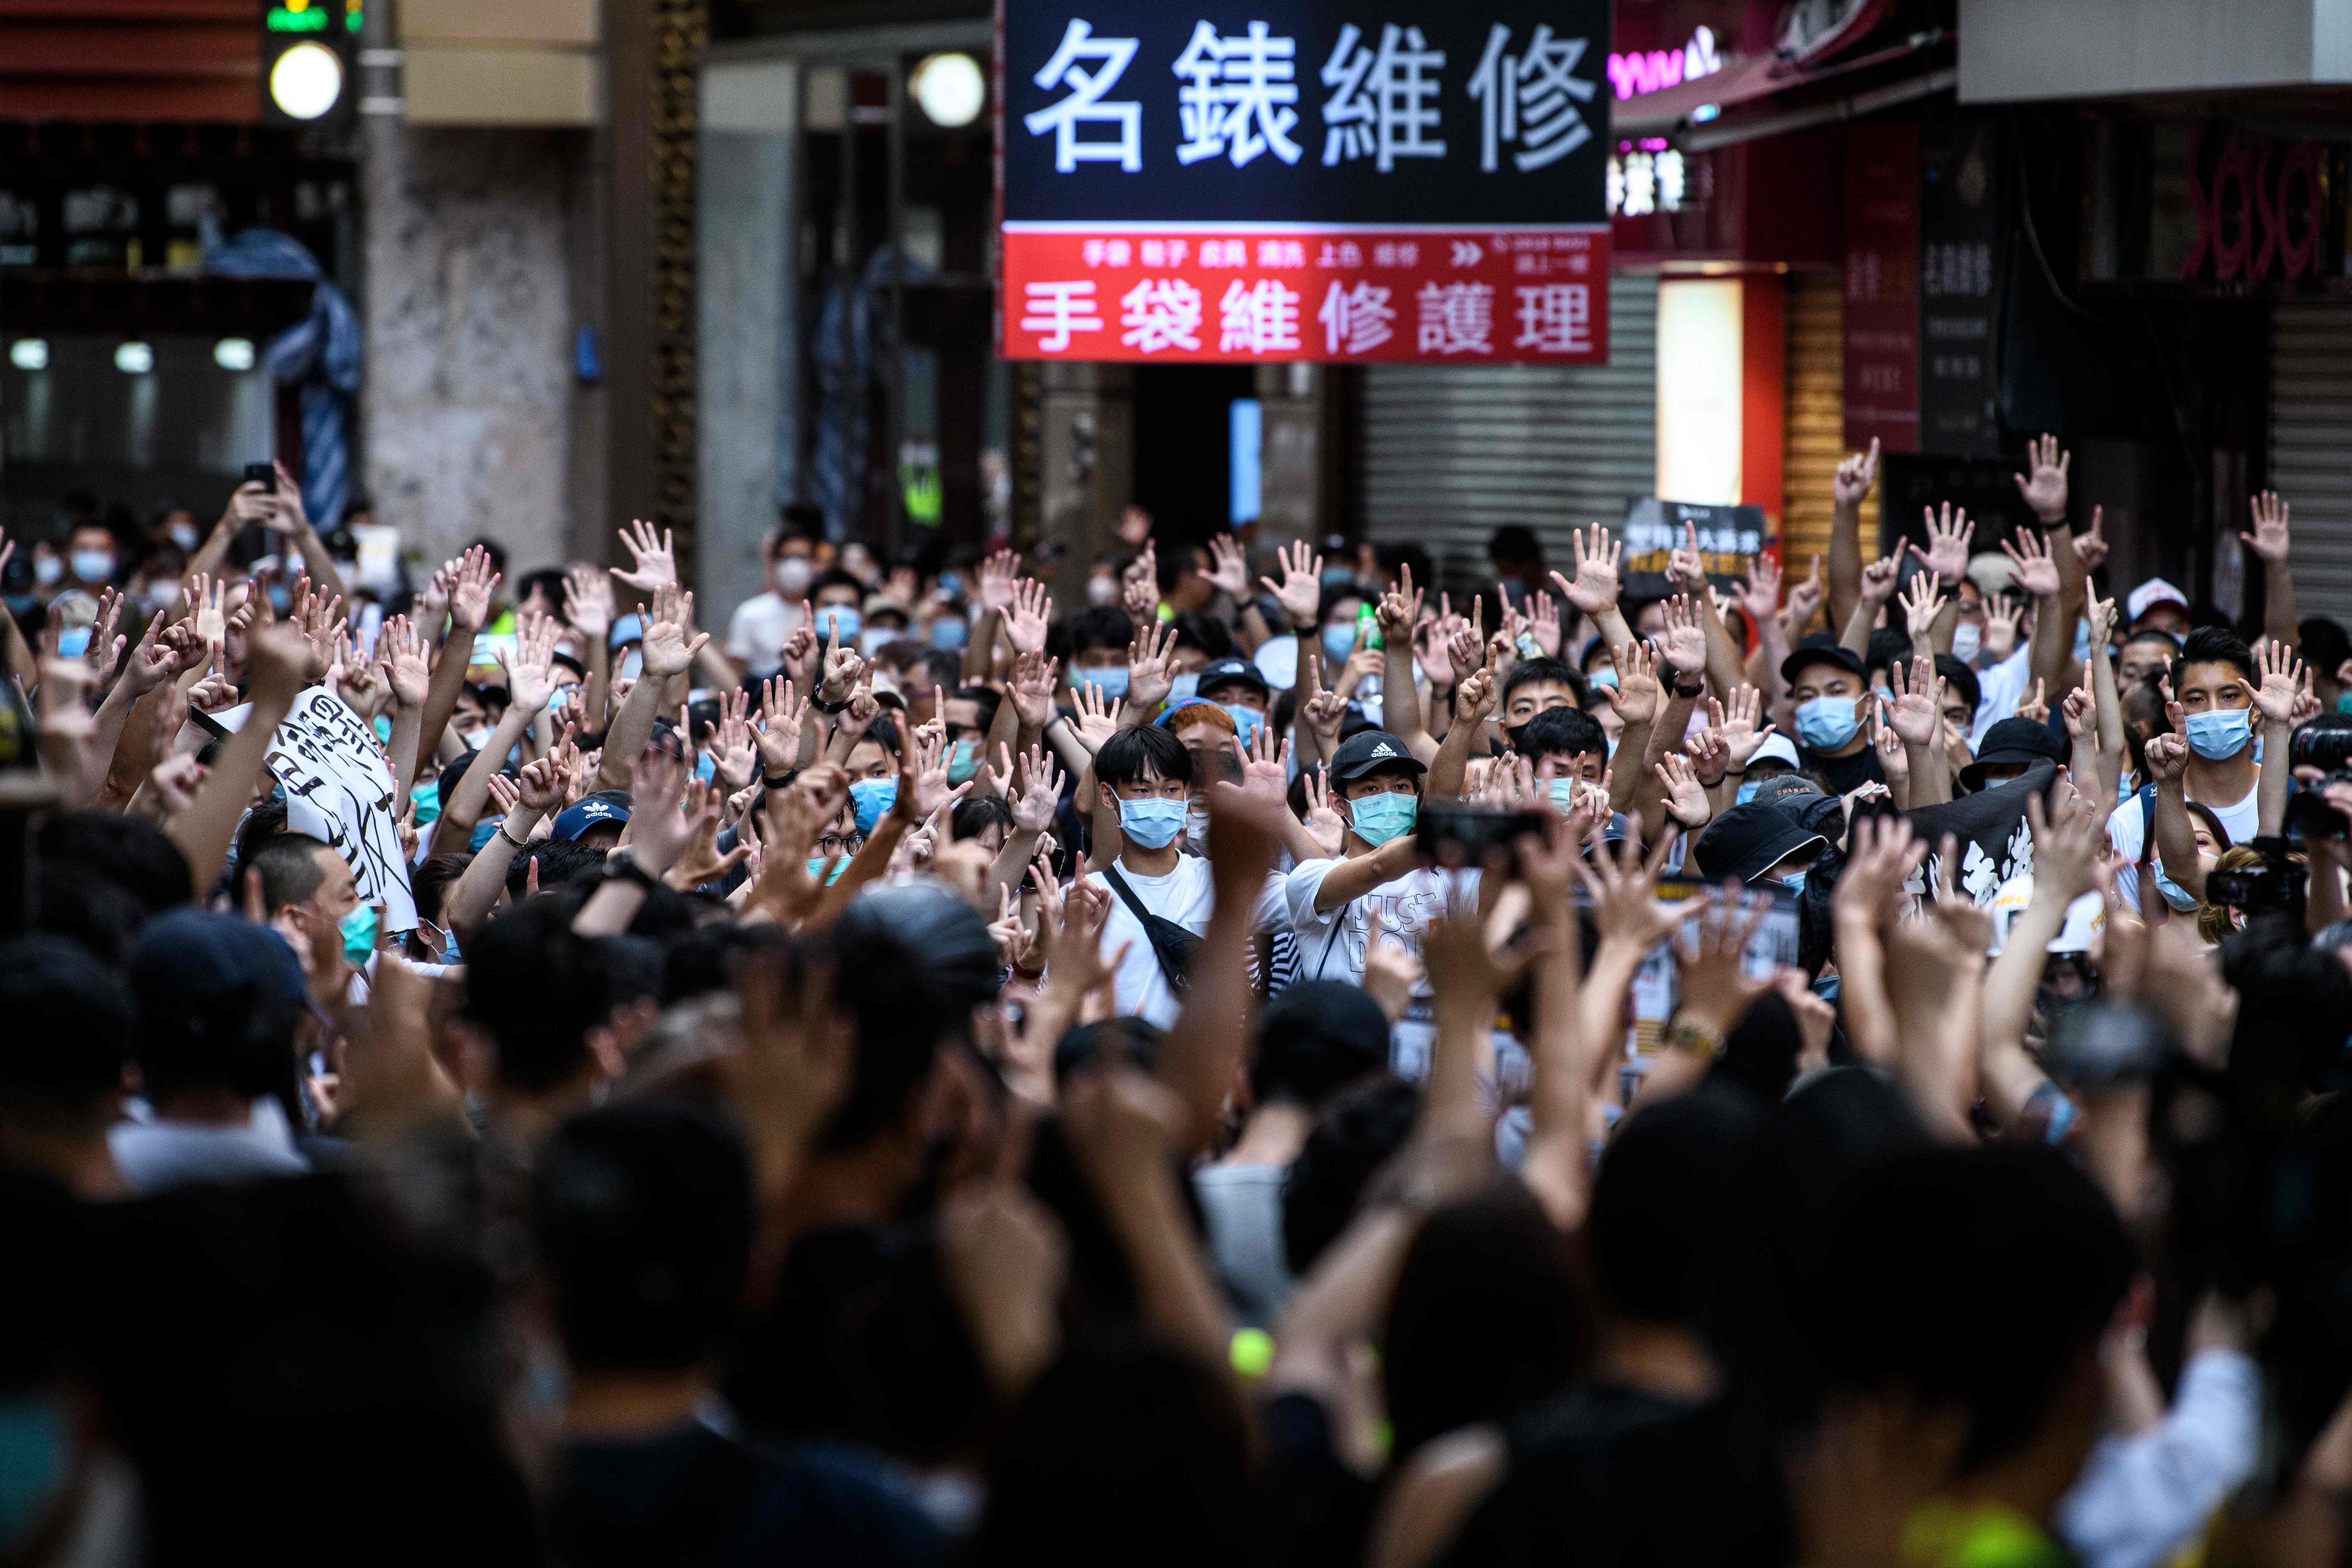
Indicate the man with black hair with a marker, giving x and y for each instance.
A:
(1831, 692)
(2146, 656)
(642, 1212)
(217, 1000)
(1092, 646)
(1316, 1040)
(2209, 758)
(1160, 898)
(69, 1030)
(537, 1020)
(1534, 686)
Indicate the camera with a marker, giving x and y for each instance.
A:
(2277, 886)
(2325, 743)
(1462, 838)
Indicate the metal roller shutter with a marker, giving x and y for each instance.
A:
(1814, 430)
(1450, 453)
(2311, 448)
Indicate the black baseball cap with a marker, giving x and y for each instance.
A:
(1217, 672)
(1822, 648)
(1750, 840)
(2013, 740)
(1369, 752)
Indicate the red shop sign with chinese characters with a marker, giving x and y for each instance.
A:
(1303, 184)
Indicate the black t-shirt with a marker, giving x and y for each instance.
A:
(1613, 1478)
(1844, 774)
(691, 1496)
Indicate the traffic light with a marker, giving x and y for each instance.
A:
(309, 57)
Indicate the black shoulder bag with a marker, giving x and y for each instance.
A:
(1172, 944)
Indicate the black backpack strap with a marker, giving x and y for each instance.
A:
(1145, 919)
(1339, 924)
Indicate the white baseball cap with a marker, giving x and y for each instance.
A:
(2155, 591)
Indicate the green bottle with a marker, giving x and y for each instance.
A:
(1368, 627)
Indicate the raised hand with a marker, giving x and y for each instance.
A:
(1947, 554)
(2269, 539)
(735, 751)
(2281, 674)
(588, 602)
(993, 584)
(1097, 718)
(2002, 613)
(659, 832)
(1709, 752)
(1686, 566)
(1475, 698)
(1687, 800)
(407, 661)
(1300, 592)
(1030, 613)
(665, 650)
(1324, 824)
(1034, 680)
(530, 666)
(1742, 732)
(1878, 581)
(470, 587)
(1759, 595)
(2091, 545)
(1597, 558)
(1881, 855)
(800, 651)
(1324, 711)
(923, 781)
(2045, 489)
(782, 715)
(1917, 704)
(1855, 475)
(1685, 643)
(1400, 610)
(655, 557)
(1888, 746)
(842, 666)
(1040, 790)
(701, 862)
(1228, 570)
(205, 608)
(2068, 850)
(2082, 708)
(1623, 886)
(1139, 586)
(1636, 697)
(540, 787)
(1711, 962)
(2167, 757)
(2037, 571)
(150, 665)
(1150, 666)
(1543, 623)
(1804, 601)
(1922, 604)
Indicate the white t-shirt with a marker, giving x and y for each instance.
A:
(756, 634)
(2000, 688)
(1186, 896)
(2239, 819)
(1332, 944)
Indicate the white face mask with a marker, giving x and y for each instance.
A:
(1966, 641)
(792, 575)
(1102, 590)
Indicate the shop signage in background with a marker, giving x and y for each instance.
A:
(1730, 538)
(1304, 182)
(2259, 210)
(1882, 289)
(1962, 246)
(1985, 487)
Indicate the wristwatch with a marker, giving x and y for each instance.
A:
(1700, 1041)
(621, 866)
(822, 706)
(1696, 688)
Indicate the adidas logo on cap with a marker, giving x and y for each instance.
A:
(1384, 749)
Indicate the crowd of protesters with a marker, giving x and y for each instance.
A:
(909, 1071)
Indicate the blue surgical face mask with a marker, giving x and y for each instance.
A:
(2082, 640)
(1184, 687)
(963, 760)
(632, 665)
(706, 767)
(816, 868)
(1245, 720)
(1826, 723)
(382, 731)
(948, 631)
(1794, 883)
(1113, 680)
(1339, 642)
(1381, 817)
(842, 616)
(873, 640)
(2178, 897)
(2343, 703)
(73, 644)
(869, 798)
(1746, 791)
(93, 565)
(426, 797)
(359, 932)
(281, 597)
(485, 831)
(2221, 733)
(1152, 823)
(47, 569)
(1563, 795)
(1603, 676)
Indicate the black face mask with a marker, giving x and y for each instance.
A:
(1518, 734)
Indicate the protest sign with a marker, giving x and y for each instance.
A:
(1309, 183)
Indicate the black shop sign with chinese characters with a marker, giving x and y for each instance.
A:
(1305, 181)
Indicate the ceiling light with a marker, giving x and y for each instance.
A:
(134, 358)
(29, 353)
(234, 353)
(949, 89)
(307, 81)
